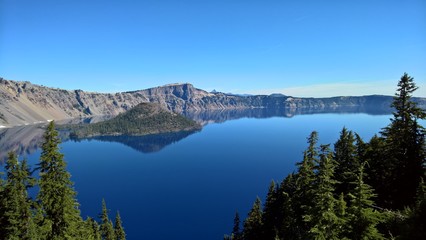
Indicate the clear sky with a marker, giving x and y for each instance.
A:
(298, 47)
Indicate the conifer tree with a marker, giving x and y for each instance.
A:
(56, 195)
(118, 228)
(270, 212)
(325, 223)
(93, 229)
(302, 199)
(107, 229)
(253, 223)
(405, 145)
(286, 219)
(362, 217)
(378, 171)
(236, 231)
(345, 155)
(16, 221)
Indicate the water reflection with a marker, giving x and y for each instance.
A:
(148, 143)
(26, 139)
(218, 116)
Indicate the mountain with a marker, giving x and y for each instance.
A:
(143, 119)
(26, 103)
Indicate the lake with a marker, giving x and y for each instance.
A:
(189, 185)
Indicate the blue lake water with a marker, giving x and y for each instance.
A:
(190, 188)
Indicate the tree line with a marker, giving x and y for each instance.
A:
(54, 213)
(358, 190)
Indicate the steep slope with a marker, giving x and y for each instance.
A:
(25, 103)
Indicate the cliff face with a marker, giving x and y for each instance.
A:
(25, 103)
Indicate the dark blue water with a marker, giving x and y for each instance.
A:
(190, 189)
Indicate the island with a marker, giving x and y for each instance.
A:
(143, 119)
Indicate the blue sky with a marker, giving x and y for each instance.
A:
(299, 48)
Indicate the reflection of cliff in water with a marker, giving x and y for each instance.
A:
(22, 140)
(218, 116)
(147, 143)
(25, 140)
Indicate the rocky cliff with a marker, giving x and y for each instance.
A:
(26, 103)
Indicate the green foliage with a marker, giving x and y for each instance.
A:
(144, 119)
(253, 223)
(362, 216)
(16, 207)
(404, 147)
(346, 157)
(325, 224)
(56, 195)
(55, 214)
(107, 229)
(118, 228)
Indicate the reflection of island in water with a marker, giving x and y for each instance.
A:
(147, 143)
(25, 140)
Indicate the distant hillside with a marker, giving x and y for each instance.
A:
(144, 119)
(26, 103)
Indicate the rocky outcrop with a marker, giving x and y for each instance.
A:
(24, 103)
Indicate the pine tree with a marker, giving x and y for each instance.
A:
(16, 221)
(322, 216)
(236, 231)
(362, 217)
(93, 229)
(253, 223)
(270, 212)
(56, 195)
(118, 228)
(107, 229)
(378, 171)
(286, 218)
(345, 155)
(302, 199)
(405, 145)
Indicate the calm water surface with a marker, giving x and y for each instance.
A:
(191, 188)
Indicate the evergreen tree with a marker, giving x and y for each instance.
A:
(325, 223)
(236, 231)
(416, 222)
(345, 155)
(118, 228)
(302, 199)
(253, 223)
(362, 217)
(378, 170)
(286, 218)
(270, 212)
(93, 229)
(107, 229)
(405, 145)
(16, 221)
(56, 195)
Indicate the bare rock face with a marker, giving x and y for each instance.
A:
(23, 103)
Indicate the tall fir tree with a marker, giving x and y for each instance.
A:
(305, 177)
(286, 218)
(17, 217)
(405, 145)
(362, 219)
(57, 196)
(236, 230)
(270, 213)
(118, 228)
(253, 223)
(324, 221)
(107, 228)
(347, 161)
